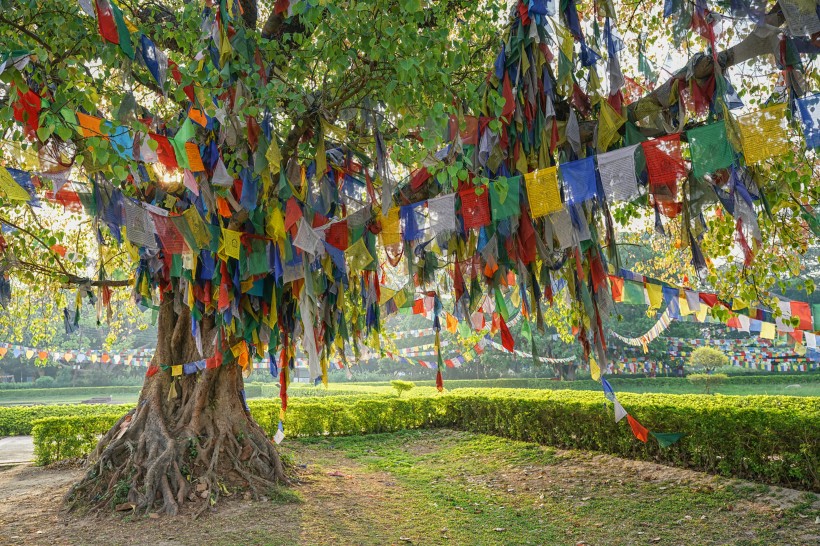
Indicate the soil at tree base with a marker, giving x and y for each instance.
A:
(437, 487)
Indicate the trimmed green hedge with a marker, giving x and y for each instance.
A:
(18, 420)
(770, 439)
(58, 438)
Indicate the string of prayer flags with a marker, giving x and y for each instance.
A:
(709, 148)
(763, 133)
(543, 194)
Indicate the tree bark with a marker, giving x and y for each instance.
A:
(193, 447)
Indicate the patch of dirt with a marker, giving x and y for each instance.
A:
(342, 500)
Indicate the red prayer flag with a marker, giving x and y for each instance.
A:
(803, 310)
(439, 381)
(106, 22)
(292, 213)
(640, 431)
(506, 337)
(475, 209)
(165, 151)
(337, 235)
(709, 299)
(664, 164)
(509, 98)
(616, 284)
(26, 110)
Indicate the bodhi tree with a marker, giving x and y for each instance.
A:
(259, 166)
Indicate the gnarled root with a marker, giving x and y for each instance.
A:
(194, 447)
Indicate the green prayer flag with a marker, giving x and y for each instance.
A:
(710, 148)
(500, 305)
(666, 439)
(633, 293)
(815, 313)
(504, 198)
(185, 133)
(176, 265)
(122, 31)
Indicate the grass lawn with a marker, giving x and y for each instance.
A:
(441, 487)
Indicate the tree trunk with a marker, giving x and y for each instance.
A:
(193, 446)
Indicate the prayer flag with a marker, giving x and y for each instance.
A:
(580, 179)
(640, 432)
(710, 149)
(475, 207)
(542, 192)
(763, 133)
(617, 170)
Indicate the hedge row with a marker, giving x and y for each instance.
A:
(18, 420)
(768, 439)
(58, 438)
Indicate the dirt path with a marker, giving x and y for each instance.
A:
(16, 449)
(438, 487)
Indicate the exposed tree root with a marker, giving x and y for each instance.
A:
(194, 447)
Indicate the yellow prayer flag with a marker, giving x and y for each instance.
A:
(609, 121)
(683, 303)
(594, 370)
(11, 188)
(385, 294)
(391, 227)
(274, 157)
(176, 370)
(400, 298)
(655, 293)
(767, 330)
(231, 243)
(763, 133)
(542, 191)
(359, 255)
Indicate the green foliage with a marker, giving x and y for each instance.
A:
(402, 386)
(771, 439)
(43, 382)
(56, 393)
(18, 420)
(707, 380)
(707, 357)
(58, 438)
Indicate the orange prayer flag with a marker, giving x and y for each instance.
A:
(198, 116)
(223, 207)
(452, 323)
(194, 158)
(617, 286)
(640, 432)
(91, 125)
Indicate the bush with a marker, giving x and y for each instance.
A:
(58, 438)
(44, 382)
(770, 439)
(18, 420)
(707, 357)
(402, 386)
(707, 380)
